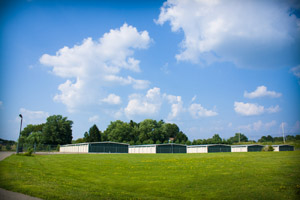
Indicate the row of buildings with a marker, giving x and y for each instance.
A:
(115, 147)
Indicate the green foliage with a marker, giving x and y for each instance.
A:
(257, 175)
(146, 132)
(29, 152)
(8, 147)
(30, 128)
(94, 134)
(270, 148)
(57, 130)
(239, 137)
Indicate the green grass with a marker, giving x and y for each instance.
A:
(257, 175)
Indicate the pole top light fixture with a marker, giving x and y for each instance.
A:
(20, 116)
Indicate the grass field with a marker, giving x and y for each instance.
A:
(257, 175)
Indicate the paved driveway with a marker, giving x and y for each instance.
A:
(4, 154)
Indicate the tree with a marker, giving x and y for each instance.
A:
(238, 137)
(94, 134)
(57, 130)
(30, 128)
(216, 139)
(34, 138)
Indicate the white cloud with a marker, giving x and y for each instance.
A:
(112, 99)
(95, 64)
(197, 110)
(249, 109)
(296, 72)
(176, 106)
(273, 109)
(258, 126)
(94, 119)
(33, 117)
(144, 105)
(261, 91)
(257, 33)
(194, 98)
(165, 68)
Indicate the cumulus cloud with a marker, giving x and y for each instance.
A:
(176, 106)
(150, 104)
(94, 119)
(261, 91)
(95, 64)
(296, 72)
(34, 117)
(249, 109)
(197, 110)
(258, 126)
(112, 99)
(144, 105)
(258, 33)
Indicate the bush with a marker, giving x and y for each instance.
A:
(8, 147)
(29, 152)
(270, 148)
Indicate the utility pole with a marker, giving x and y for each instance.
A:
(282, 125)
(19, 133)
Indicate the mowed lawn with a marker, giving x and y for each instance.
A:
(257, 175)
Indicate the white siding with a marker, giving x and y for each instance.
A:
(82, 148)
(239, 149)
(141, 149)
(196, 149)
(276, 148)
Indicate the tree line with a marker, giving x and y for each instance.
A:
(57, 130)
(148, 131)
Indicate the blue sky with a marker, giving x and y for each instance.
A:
(207, 66)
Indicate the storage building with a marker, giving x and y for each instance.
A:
(208, 148)
(246, 148)
(95, 147)
(283, 147)
(158, 148)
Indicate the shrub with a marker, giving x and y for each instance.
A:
(29, 152)
(57, 148)
(270, 148)
(8, 147)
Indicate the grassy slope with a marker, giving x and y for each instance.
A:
(258, 175)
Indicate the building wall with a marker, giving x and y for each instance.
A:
(142, 149)
(286, 148)
(170, 148)
(80, 148)
(108, 147)
(196, 149)
(276, 148)
(254, 148)
(239, 149)
(219, 148)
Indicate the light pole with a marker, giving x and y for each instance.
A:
(19, 133)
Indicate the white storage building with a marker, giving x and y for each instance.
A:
(158, 148)
(151, 148)
(283, 147)
(246, 148)
(75, 148)
(208, 148)
(95, 147)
